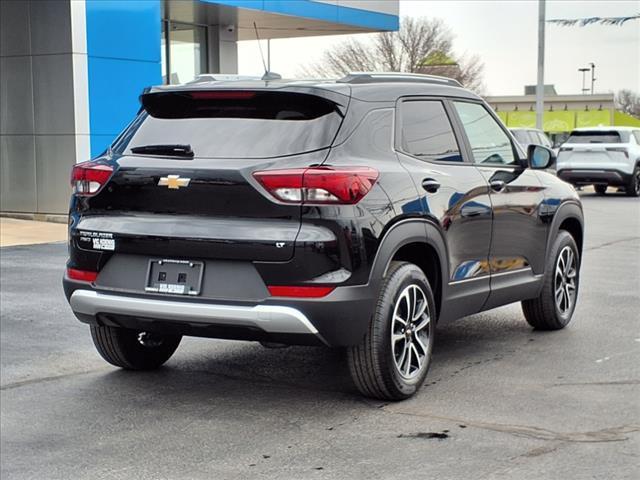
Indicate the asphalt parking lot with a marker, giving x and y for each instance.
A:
(502, 400)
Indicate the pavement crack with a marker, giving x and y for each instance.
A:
(611, 434)
(52, 378)
(604, 384)
(613, 242)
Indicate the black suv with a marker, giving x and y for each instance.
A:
(354, 213)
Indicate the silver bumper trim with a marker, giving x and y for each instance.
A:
(270, 318)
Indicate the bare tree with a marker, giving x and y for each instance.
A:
(413, 48)
(628, 102)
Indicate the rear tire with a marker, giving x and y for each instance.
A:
(633, 187)
(133, 350)
(600, 189)
(554, 307)
(392, 361)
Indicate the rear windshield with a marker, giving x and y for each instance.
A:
(234, 124)
(598, 137)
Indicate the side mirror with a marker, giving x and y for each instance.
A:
(540, 157)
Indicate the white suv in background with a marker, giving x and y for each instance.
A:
(602, 157)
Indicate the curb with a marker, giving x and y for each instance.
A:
(38, 217)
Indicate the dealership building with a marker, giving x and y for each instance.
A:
(562, 113)
(71, 71)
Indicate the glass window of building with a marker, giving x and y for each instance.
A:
(184, 51)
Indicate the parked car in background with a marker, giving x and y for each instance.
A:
(355, 213)
(602, 157)
(531, 136)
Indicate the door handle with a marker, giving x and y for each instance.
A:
(430, 185)
(497, 185)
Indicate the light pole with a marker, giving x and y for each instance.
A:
(593, 75)
(584, 71)
(540, 84)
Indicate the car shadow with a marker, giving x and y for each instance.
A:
(223, 371)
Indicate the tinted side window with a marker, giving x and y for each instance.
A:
(522, 136)
(544, 140)
(489, 143)
(427, 133)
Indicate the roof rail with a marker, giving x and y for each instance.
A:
(378, 77)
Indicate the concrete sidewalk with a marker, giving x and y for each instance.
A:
(28, 232)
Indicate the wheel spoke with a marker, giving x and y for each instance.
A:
(422, 345)
(397, 337)
(558, 273)
(407, 299)
(423, 323)
(414, 304)
(400, 362)
(398, 318)
(408, 359)
(559, 293)
(415, 351)
(418, 312)
(569, 263)
(561, 301)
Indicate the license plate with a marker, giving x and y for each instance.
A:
(176, 277)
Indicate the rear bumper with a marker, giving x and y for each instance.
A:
(594, 176)
(340, 319)
(270, 318)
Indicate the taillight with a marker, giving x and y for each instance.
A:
(300, 291)
(82, 275)
(618, 149)
(319, 185)
(87, 178)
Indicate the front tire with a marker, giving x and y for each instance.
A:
(131, 349)
(392, 361)
(554, 307)
(633, 187)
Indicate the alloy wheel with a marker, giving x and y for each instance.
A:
(410, 332)
(149, 340)
(566, 275)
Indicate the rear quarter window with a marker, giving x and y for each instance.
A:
(427, 133)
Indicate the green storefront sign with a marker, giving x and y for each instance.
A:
(594, 118)
(567, 120)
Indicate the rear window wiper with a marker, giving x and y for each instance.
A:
(169, 150)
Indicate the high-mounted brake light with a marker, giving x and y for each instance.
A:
(222, 95)
(319, 185)
(81, 275)
(300, 291)
(87, 178)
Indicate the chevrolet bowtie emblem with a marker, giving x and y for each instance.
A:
(174, 182)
